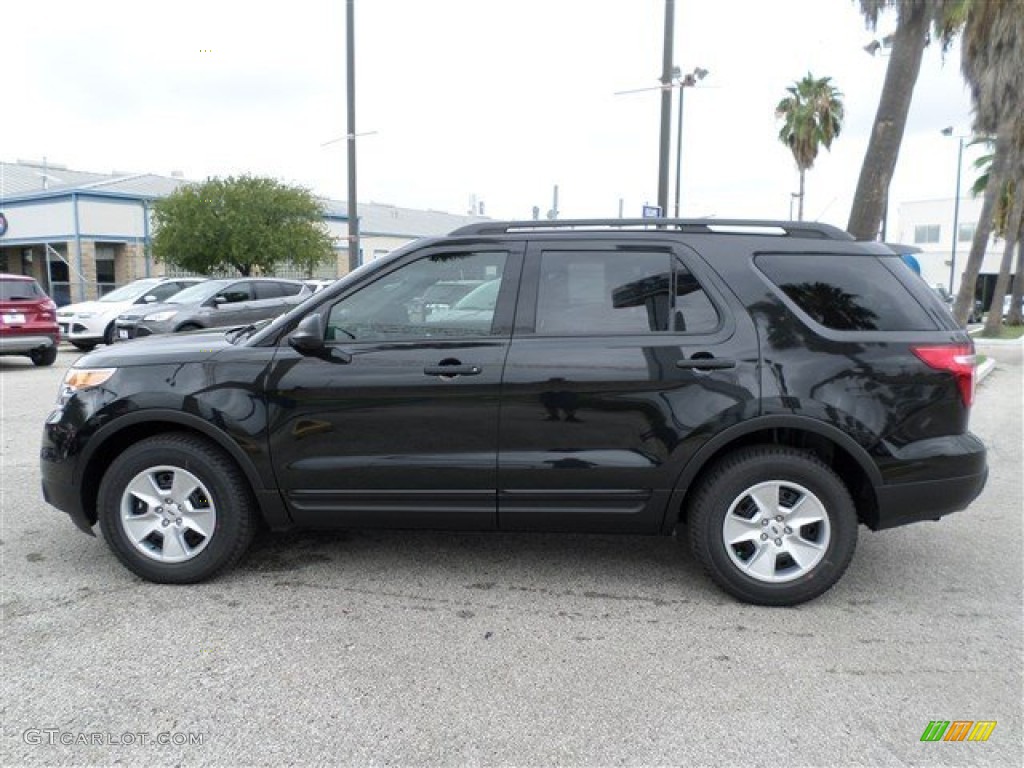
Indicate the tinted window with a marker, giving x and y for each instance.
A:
(164, 291)
(404, 304)
(20, 290)
(598, 292)
(693, 311)
(847, 293)
(290, 289)
(237, 292)
(268, 290)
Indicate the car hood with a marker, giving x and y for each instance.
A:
(93, 306)
(187, 347)
(149, 309)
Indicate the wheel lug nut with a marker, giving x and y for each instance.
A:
(159, 510)
(165, 523)
(778, 542)
(177, 521)
(778, 518)
(787, 529)
(764, 522)
(764, 537)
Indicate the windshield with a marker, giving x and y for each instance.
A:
(129, 292)
(198, 293)
(19, 290)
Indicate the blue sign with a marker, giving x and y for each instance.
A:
(652, 211)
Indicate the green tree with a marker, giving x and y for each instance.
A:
(812, 117)
(242, 223)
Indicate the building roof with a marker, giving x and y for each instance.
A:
(29, 179)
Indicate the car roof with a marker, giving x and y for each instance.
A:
(23, 278)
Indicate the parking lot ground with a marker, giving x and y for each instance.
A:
(397, 648)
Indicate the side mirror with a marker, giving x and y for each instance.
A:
(308, 336)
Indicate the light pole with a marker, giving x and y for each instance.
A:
(956, 204)
(684, 82)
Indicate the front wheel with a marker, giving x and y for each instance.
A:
(773, 525)
(175, 509)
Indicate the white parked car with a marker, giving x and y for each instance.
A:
(89, 323)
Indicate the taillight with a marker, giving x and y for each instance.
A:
(958, 359)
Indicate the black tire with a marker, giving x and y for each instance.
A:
(188, 327)
(84, 346)
(108, 335)
(762, 564)
(42, 357)
(197, 534)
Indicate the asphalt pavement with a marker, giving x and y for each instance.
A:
(399, 648)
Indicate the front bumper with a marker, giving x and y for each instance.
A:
(74, 329)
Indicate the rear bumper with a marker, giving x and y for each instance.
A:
(14, 345)
(930, 479)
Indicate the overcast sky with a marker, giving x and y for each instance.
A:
(497, 99)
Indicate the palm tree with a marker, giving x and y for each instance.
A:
(812, 116)
(915, 17)
(993, 65)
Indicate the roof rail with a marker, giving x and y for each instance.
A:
(801, 229)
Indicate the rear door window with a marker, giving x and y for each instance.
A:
(597, 292)
(847, 292)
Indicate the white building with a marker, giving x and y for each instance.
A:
(928, 225)
(81, 234)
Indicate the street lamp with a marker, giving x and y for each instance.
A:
(683, 82)
(948, 131)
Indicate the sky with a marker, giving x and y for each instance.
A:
(492, 101)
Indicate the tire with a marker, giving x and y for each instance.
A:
(43, 357)
(207, 510)
(108, 335)
(83, 346)
(188, 327)
(770, 561)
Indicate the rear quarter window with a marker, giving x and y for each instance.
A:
(847, 292)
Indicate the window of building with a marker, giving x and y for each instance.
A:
(926, 233)
(966, 233)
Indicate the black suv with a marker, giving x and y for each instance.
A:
(768, 386)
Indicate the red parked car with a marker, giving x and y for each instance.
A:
(28, 320)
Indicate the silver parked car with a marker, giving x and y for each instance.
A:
(214, 304)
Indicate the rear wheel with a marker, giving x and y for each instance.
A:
(84, 346)
(175, 509)
(188, 327)
(773, 525)
(45, 356)
(108, 335)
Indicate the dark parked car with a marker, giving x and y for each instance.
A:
(766, 386)
(213, 304)
(28, 320)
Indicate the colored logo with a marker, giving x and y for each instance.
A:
(958, 730)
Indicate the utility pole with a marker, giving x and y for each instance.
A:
(664, 147)
(353, 210)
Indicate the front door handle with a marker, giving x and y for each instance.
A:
(706, 363)
(447, 371)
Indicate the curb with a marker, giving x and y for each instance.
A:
(985, 369)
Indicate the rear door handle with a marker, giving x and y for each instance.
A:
(706, 363)
(452, 370)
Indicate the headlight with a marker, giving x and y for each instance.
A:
(159, 317)
(78, 379)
